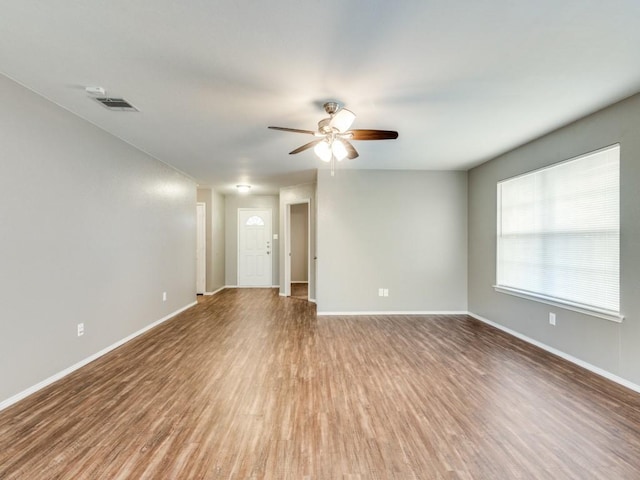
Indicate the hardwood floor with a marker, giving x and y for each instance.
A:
(300, 290)
(250, 385)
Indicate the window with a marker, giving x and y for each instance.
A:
(254, 221)
(558, 238)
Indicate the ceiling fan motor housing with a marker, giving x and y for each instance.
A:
(331, 107)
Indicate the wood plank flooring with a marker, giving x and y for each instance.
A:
(300, 290)
(250, 385)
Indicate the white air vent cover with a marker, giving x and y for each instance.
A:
(117, 104)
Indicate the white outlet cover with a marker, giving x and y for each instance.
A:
(381, 292)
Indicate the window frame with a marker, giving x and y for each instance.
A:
(615, 316)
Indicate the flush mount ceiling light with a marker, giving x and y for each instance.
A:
(334, 135)
(243, 188)
(97, 91)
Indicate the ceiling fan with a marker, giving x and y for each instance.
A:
(333, 135)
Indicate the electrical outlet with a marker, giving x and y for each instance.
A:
(164, 296)
(386, 292)
(381, 292)
(80, 329)
(552, 319)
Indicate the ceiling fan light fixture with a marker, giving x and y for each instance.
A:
(339, 150)
(342, 120)
(333, 137)
(323, 151)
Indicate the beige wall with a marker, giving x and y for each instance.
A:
(93, 231)
(399, 230)
(607, 345)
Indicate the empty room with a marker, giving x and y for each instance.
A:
(320, 240)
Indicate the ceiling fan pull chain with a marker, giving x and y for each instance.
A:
(333, 165)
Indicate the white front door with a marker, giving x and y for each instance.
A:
(254, 247)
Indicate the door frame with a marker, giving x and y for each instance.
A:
(287, 245)
(255, 209)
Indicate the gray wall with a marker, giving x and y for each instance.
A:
(91, 230)
(401, 230)
(232, 204)
(611, 346)
(300, 242)
(218, 246)
(215, 237)
(292, 195)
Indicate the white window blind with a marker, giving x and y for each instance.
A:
(559, 233)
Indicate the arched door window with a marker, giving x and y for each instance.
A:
(254, 221)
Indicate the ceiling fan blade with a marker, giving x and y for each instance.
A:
(342, 120)
(294, 130)
(351, 152)
(306, 146)
(373, 134)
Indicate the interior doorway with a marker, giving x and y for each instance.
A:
(201, 248)
(297, 249)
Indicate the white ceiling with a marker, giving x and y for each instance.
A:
(462, 81)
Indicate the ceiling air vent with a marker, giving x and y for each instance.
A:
(116, 104)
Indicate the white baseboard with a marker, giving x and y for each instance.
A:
(561, 354)
(54, 378)
(312, 300)
(299, 281)
(396, 312)
(252, 286)
(214, 292)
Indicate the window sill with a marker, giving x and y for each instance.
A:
(605, 314)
